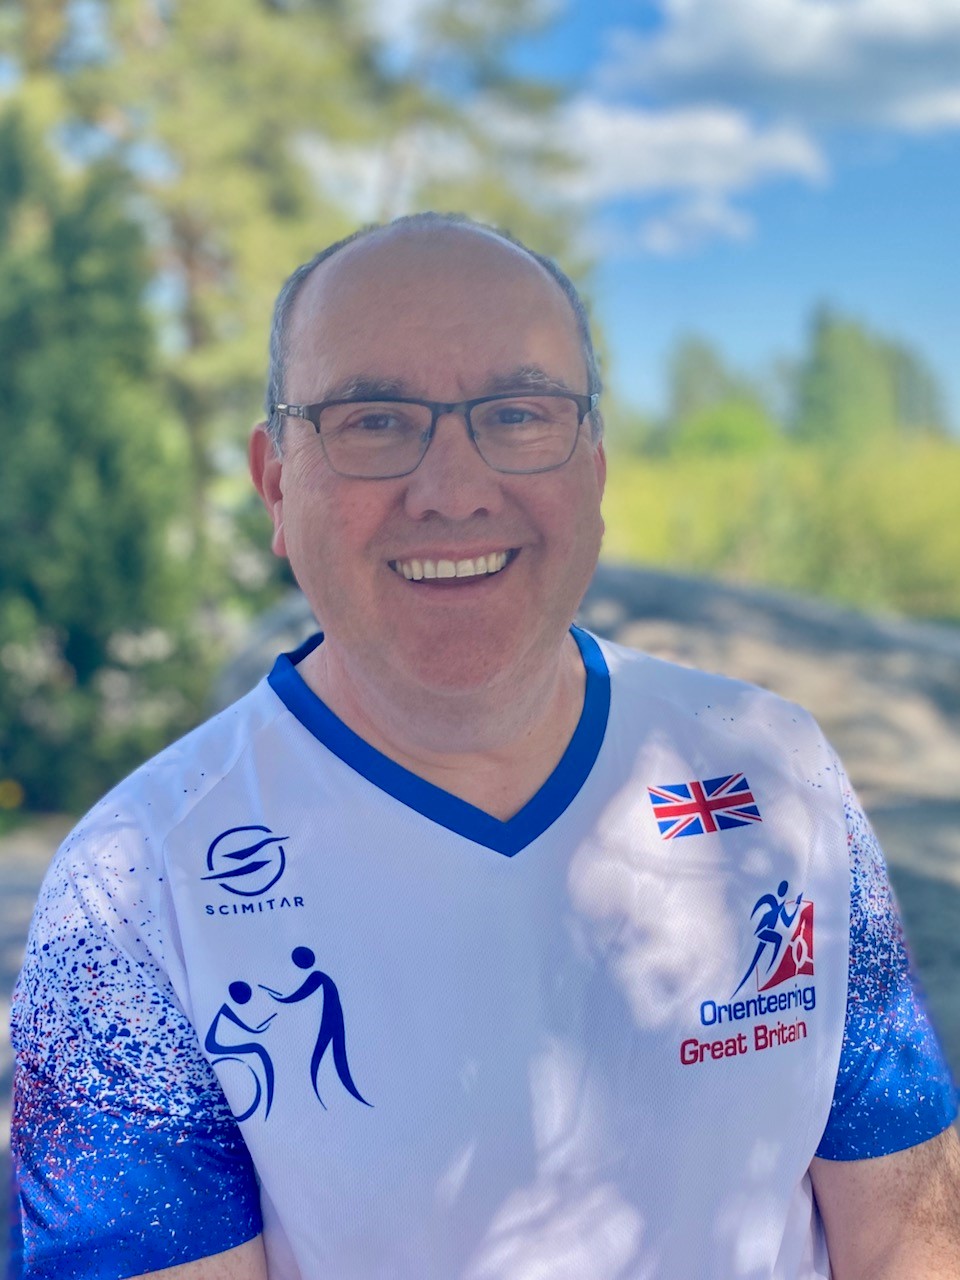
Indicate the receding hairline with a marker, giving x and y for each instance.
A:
(433, 235)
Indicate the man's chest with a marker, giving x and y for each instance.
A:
(434, 1033)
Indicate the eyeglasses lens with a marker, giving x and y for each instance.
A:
(381, 438)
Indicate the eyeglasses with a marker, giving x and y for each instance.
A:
(517, 434)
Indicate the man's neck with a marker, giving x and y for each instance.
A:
(493, 747)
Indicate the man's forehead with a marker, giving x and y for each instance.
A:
(420, 262)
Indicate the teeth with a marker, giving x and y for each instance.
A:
(416, 570)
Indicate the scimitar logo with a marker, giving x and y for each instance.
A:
(246, 861)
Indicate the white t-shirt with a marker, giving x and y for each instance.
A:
(275, 980)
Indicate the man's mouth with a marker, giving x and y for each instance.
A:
(475, 567)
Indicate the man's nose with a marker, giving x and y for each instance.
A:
(453, 480)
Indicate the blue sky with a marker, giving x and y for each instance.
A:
(751, 158)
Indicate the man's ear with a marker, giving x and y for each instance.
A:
(600, 462)
(266, 469)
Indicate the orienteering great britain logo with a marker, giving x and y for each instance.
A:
(246, 861)
(784, 939)
(782, 954)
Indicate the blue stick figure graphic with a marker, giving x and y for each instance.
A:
(240, 993)
(766, 928)
(331, 1021)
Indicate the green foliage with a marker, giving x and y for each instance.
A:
(94, 659)
(698, 379)
(850, 387)
(711, 409)
(918, 398)
(737, 425)
(625, 429)
(876, 528)
(845, 391)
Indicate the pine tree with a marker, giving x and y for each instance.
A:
(93, 601)
(845, 391)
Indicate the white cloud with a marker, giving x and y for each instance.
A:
(377, 182)
(695, 157)
(820, 61)
(682, 228)
(925, 112)
(351, 176)
(692, 224)
(629, 151)
(398, 21)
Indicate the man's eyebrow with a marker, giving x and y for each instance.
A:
(526, 377)
(365, 387)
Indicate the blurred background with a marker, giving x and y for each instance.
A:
(758, 198)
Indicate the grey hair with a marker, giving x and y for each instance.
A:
(287, 297)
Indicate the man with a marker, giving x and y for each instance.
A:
(458, 900)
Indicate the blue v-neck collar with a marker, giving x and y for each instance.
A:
(433, 802)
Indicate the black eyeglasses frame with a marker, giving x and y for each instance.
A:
(311, 413)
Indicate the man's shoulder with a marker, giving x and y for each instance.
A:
(692, 707)
(671, 679)
(143, 808)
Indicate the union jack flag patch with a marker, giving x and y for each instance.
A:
(700, 808)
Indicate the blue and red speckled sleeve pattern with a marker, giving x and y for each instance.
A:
(894, 1088)
(126, 1155)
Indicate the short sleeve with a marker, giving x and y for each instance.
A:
(894, 1088)
(126, 1156)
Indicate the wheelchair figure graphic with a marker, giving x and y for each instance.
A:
(224, 1044)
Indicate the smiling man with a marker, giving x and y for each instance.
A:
(447, 590)
(422, 960)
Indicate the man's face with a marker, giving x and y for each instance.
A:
(445, 316)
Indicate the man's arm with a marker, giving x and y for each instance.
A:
(896, 1217)
(246, 1262)
(127, 1158)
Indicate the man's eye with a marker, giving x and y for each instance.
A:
(376, 422)
(511, 415)
(519, 413)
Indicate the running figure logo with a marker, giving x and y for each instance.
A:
(775, 920)
(221, 1041)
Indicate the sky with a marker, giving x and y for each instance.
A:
(746, 160)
